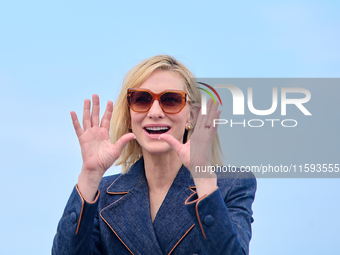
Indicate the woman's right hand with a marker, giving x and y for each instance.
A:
(97, 151)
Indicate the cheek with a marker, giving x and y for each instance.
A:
(136, 119)
(186, 115)
(181, 120)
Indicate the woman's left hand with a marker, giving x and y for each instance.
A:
(197, 152)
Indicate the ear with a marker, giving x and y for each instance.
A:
(194, 111)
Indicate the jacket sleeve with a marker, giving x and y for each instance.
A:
(224, 223)
(77, 231)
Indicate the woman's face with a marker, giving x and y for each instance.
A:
(145, 125)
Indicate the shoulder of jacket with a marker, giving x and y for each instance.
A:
(107, 181)
(236, 181)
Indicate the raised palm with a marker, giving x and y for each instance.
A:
(97, 151)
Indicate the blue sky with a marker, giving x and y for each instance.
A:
(54, 54)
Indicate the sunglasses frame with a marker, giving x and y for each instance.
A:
(157, 96)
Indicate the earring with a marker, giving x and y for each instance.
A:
(189, 127)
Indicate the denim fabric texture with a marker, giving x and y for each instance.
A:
(119, 221)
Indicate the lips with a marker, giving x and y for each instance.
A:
(156, 130)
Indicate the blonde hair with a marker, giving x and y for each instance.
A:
(120, 121)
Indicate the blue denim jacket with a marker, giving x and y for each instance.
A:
(119, 221)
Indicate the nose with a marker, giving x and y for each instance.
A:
(156, 111)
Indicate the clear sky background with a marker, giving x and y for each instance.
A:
(54, 54)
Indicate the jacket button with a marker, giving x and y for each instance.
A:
(73, 217)
(209, 220)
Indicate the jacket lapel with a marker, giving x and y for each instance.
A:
(173, 222)
(128, 214)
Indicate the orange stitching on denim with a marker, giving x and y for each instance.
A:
(192, 188)
(197, 202)
(95, 199)
(82, 204)
(198, 216)
(115, 193)
(115, 233)
(82, 208)
(101, 216)
(118, 193)
(107, 190)
(181, 238)
(192, 202)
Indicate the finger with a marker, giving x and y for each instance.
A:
(173, 142)
(86, 114)
(212, 113)
(123, 141)
(95, 110)
(217, 116)
(202, 119)
(210, 107)
(76, 124)
(107, 116)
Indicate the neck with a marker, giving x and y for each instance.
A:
(161, 169)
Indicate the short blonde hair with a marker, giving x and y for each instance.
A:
(121, 120)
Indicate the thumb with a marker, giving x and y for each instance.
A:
(174, 143)
(123, 141)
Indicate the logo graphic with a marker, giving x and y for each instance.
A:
(204, 97)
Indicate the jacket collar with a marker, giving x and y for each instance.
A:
(129, 216)
(135, 178)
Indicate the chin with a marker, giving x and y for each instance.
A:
(160, 147)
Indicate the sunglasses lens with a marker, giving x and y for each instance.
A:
(172, 102)
(140, 101)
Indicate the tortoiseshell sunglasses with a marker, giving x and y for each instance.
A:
(171, 101)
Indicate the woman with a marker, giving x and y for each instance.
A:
(154, 207)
